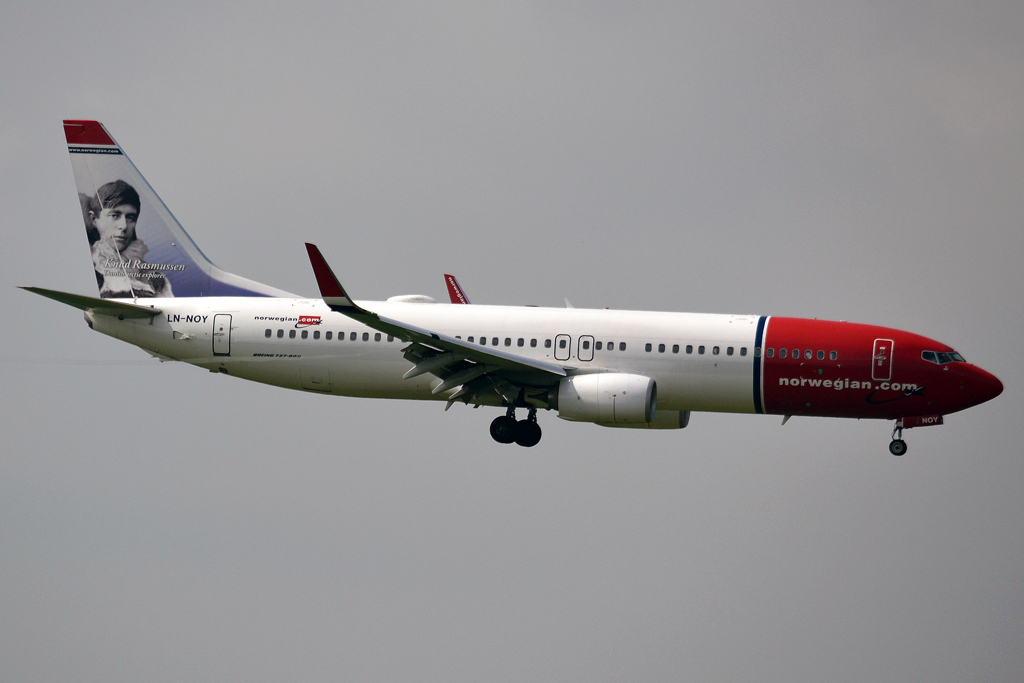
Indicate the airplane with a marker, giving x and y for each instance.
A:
(623, 369)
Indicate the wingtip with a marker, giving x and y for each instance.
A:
(326, 281)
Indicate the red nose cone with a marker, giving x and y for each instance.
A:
(987, 385)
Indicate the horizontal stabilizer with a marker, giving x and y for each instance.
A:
(101, 306)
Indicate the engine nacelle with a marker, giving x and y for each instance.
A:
(663, 419)
(607, 398)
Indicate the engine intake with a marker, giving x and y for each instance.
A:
(607, 398)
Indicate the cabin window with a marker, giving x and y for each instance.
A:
(280, 333)
(391, 338)
(622, 346)
(316, 334)
(366, 336)
(533, 343)
(611, 346)
(700, 350)
(743, 350)
(647, 347)
(821, 355)
(832, 355)
(494, 341)
(661, 348)
(796, 353)
(520, 342)
(267, 334)
(757, 352)
(783, 353)
(561, 343)
(291, 334)
(808, 353)
(728, 351)
(547, 343)
(471, 339)
(305, 334)
(508, 341)
(586, 344)
(597, 346)
(352, 336)
(328, 336)
(376, 337)
(483, 341)
(675, 348)
(689, 348)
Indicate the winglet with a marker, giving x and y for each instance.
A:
(330, 289)
(455, 292)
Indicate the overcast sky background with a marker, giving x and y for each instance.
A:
(860, 161)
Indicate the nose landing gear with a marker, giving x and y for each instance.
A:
(897, 446)
(506, 429)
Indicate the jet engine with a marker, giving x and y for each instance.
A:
(607, 398)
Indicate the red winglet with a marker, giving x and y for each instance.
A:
(87, 133)
(455, 292)
(325, 280)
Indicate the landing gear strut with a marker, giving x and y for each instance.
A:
(897, 446)
(506, 429)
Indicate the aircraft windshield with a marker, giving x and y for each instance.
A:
(942, 357)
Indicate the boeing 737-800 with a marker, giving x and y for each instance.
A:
(631, 369)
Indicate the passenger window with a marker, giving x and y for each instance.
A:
(586, 345)
(316, 334)
(291, 334)
(728, 351)
(661, 348)
(796, 353)
(352, 336)
(622, 346)
(700, 350)
(391, 338)
(757, 352)
(597, 346)
(832, 355)
(376, 337)
(547, 343)
(533, 343)
(328, 336)
(675, 348)
(305, 334)
(647, 347)
(782, 353)
(471, 339)
(714, 350)
(808, 354)
(508, 341)
(743, 350)
(689, 348)
(483, 341)
(821, 355)
(771, 352)
(520, 341)
(366, 336)
(267, 334)
(494, 341)
(561, 343)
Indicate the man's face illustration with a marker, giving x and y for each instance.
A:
(117, 224)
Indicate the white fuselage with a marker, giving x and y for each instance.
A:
(298, 354)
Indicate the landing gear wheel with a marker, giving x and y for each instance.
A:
(503, 429)
(897, 447)
(527, 433)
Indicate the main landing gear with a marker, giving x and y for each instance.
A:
(897, 446)
(506, 429)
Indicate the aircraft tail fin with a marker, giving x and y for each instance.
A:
(139, 250)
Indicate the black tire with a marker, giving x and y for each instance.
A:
(503, 429)
(527, 433)
(897, 447)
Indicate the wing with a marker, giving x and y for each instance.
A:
(473, 369)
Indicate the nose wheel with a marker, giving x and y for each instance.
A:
(506, 429)
(897, 446)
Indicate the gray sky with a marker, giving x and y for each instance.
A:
(861, 162)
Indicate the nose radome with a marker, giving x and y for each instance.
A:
(988, 384)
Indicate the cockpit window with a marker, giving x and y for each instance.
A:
(942, 357)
